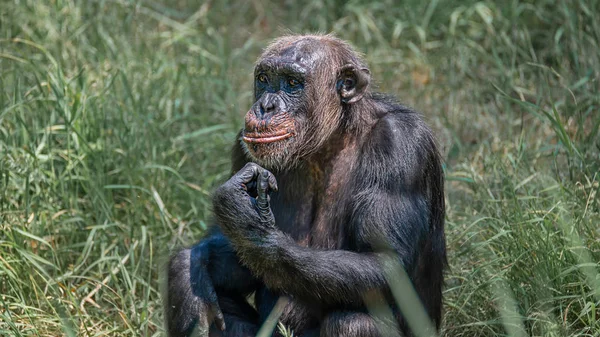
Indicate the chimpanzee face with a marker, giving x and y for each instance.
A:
(274, 124)
(299, 90)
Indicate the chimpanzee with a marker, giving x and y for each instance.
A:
(328, 176)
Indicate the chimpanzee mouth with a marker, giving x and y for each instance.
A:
(263, 138)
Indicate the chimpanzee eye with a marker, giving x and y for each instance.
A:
(293, 82)
(262, 78)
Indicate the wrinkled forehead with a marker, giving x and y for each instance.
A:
(300, 56)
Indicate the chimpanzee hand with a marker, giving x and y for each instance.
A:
(204, 289)
(191, 293)
(241, 205)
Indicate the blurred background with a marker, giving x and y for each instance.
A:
(117, 116)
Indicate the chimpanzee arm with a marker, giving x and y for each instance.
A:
(335, 277)
(329, 277)
(224, 267)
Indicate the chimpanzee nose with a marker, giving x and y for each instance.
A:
(267, 106)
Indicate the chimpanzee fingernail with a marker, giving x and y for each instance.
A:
(264, 181)
(273, 184)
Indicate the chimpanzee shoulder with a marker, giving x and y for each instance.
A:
(391, 182)
(399, 146)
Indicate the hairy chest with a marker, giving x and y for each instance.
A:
(312, 206)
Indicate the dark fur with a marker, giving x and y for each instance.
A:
(355, 181)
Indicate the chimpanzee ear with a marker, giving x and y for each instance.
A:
(352, 83)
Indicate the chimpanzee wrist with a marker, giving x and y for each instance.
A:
(262, 254)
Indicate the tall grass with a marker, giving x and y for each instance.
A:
(116, 118)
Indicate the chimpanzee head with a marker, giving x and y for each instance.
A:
(304, 88)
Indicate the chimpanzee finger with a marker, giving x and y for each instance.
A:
(272, 182)
(218, 316)
(262, 185)
(214, 308)
(247, 173)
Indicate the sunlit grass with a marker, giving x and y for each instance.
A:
(116, 118)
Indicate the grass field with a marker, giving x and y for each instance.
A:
(116, 117)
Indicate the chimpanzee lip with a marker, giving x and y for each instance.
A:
(262, 138)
